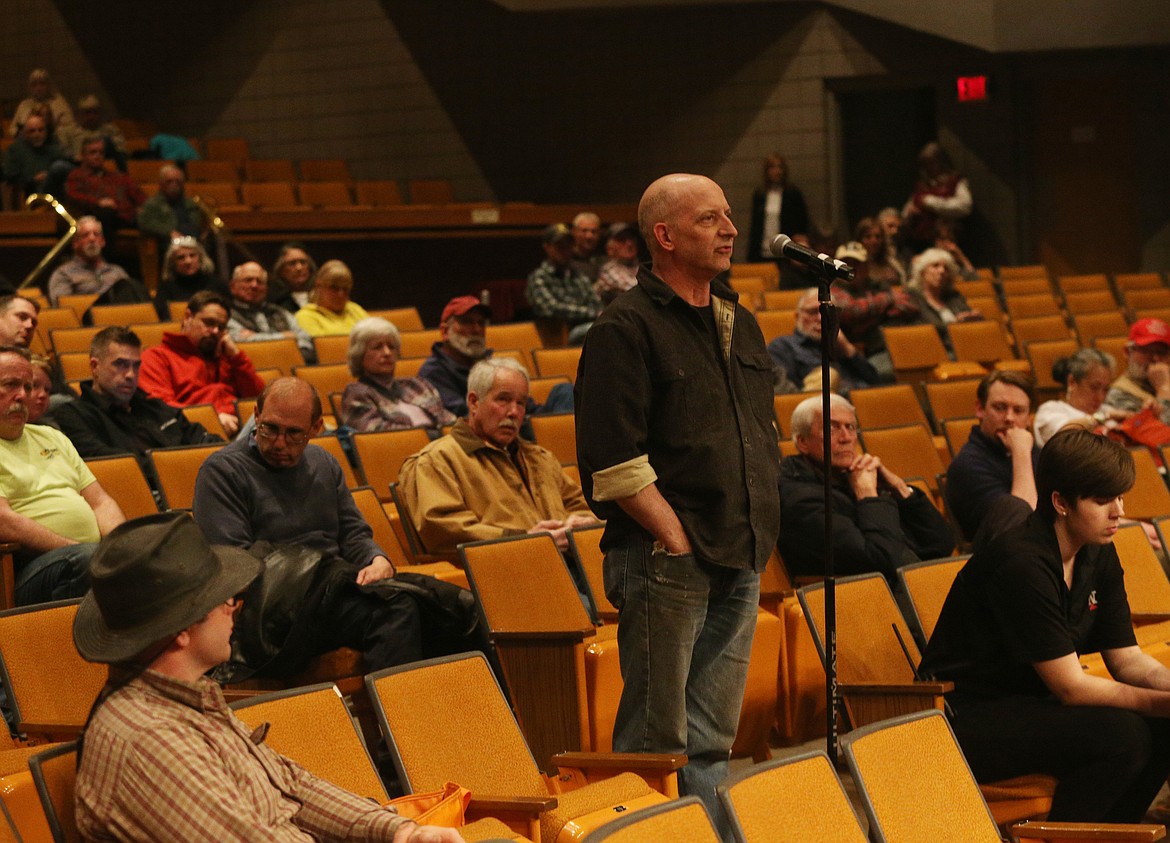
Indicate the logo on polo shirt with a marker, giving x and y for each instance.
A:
(1093, 600)
(49, 453)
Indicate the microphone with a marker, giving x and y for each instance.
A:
(784, 246)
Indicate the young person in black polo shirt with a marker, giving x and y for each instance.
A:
(1021, 610)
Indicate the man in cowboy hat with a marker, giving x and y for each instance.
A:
(164, 757)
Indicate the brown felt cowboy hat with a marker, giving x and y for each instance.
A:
(151, 578)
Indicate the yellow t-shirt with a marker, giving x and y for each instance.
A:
(41, 476)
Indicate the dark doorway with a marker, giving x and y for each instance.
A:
(882, 130)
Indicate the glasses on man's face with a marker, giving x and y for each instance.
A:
(292, 435)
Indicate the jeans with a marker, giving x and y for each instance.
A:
(54, 575)
(684, 639)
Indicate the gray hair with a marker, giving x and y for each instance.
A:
(922, 261)
(205, 265)
(364, 333)
(1077, 366)
(483, 374)
(810, 408)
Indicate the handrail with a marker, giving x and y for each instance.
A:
(48, 199)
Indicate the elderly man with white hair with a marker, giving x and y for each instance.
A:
(880, 522)
(483, 481)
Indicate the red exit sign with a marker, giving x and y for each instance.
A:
(972, 88)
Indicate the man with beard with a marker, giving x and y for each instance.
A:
(202, 363)
(798, 354)
(462, 329)
(50, 502)
(1146, 380)
(483, 481)
(89, 272)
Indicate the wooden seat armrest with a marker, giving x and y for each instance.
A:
(52, 732)
(633, 761)
(1148, 617)
(909, 688)
(530, 806)
(1119, 832)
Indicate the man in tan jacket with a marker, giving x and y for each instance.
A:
(483, 481)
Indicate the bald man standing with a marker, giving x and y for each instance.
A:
(678, 452)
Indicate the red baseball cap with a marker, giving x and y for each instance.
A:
(1149, 332)
(461, 305)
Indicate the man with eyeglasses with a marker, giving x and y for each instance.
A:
(50, 502)
(255, 319)
(201, 364)
(880, 522)
(1146, 379)
(274, 488)
(163, 758)
(798, 354)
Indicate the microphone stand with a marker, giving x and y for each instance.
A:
(828, 353)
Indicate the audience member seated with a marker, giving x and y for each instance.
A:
(1018, 616)
(882, 264)
(329, 310)
(879, 521)
(28, 160)
(798, 355)
(1086, 376)
(41, 95)
(620, 271)
(483, 481)
(50, 502)
(999, 458)
(380, 401)
(186, 269)
(202, 363)
(292, 277)
(1145, 385)
(932, 283)
(558, 291)
(941, 193)
(171, 214)
(284, 498)
(254, 319)
(42, 390)
(89, 121)
(90, 188)
(587, 257)
(864, 307)
(778, 206)
(113, 416)
(18, 320)
(890, 219)
(163, 757)
(89, 273)
(462, 329)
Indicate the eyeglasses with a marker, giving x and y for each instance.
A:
(292, 435)
(842, 427)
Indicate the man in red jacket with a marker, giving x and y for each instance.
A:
(201, 364)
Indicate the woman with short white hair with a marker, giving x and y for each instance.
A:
(378, 400)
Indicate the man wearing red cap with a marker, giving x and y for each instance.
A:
(463, 327)
(1146, 381)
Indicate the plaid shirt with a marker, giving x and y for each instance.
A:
(561, 294)
(166, 760)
